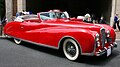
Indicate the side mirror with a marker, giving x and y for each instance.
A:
(38, 14)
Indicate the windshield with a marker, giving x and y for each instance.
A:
(52, 15)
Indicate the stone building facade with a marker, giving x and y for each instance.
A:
(13, 6)
(115, 10)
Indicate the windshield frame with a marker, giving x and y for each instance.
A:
(52, 15)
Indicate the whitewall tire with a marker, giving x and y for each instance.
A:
(71, 49)
(17, 41)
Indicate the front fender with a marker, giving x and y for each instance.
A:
(85, 39)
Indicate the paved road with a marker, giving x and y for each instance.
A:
(30, 55)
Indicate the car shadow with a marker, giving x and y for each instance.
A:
(98, 61)
(90, 60)
(40, 48)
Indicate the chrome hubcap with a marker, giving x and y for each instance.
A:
(70, 49)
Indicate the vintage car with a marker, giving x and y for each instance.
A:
(55, 30)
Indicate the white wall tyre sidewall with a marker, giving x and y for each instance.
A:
(17, 41)
(77, 50)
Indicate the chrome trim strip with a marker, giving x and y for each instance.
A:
(94, 47)
(44, 45)
(88, 54)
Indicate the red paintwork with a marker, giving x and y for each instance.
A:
(50, 32)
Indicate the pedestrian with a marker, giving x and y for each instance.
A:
(102, 20)
(3, 23)
(116, 21)
(25, 12)
(0, 20)
(0, 25)
(87, 18)
(94, 19)
(30, 12)
(18, 14)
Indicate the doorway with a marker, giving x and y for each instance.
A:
(73, 7)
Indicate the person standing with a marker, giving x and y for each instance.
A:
(0, 26)
(18, 14)
(102, 20)
(93, 18)
(3, 23)
(116, 21)
(0, 20)
(87, 18)
(25, 12)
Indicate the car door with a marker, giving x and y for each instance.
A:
(35, 32)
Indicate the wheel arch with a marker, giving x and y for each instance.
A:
(60, 44)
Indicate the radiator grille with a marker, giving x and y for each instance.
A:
(103, 37)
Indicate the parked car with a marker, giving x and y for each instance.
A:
(55, 30)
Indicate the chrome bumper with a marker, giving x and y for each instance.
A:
(101, 52)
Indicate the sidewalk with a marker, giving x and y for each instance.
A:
(118, 35)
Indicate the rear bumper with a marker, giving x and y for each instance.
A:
(104, 50)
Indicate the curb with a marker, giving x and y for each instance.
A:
(117, 39)
(2, 37)
(5, 37)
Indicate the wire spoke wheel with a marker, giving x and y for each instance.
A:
(71, 49)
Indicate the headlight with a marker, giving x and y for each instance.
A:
(97, 37)
(97, 40)
(97, 44)
(108, 33)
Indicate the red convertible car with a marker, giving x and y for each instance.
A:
(55, 30)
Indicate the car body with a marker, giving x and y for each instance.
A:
(55, 30)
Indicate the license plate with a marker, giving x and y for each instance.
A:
(109, 52)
